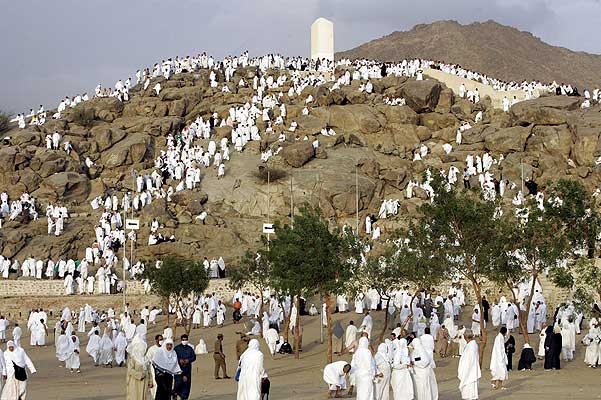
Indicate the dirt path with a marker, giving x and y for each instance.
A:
(302, 379)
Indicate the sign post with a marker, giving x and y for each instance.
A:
(132, 225)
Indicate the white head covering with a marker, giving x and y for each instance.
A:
(251, 367)
(382, 354)
(419, 352)
(166, 360)
(137, 350)
(17, 355)
(363, 362)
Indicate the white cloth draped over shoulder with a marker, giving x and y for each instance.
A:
(363, 369)
(469, 372)
(498, 360)
(251, 372)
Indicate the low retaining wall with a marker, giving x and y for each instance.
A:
(51, 288)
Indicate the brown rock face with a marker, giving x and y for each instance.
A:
(421, 96)
(66, 186)
(298, 154)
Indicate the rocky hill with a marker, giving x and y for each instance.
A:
(374, 139)
(499, 51)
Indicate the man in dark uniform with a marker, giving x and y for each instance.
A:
(185, 357)
(219, 358)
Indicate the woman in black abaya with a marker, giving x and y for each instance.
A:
(552, 348)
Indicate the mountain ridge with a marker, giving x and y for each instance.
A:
(500, 51)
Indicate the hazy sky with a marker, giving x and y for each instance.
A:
(54, 48)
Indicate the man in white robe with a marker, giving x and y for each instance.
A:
(350, 335)
(334, 375)
(93, 347)
(367, 324)
(498, 360)
(468, 370)
(426, 387)
(364, 370)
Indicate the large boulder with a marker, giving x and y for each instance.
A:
(507, 140)
(131, 150)
(555, 140)
(436, 121)
(298, 154)
(421, 96)
(7, 159)
(395, 177)
(192, 201)
(445, 101)
(399, 114)
(551, 110)
(106, 136)
(66, 187)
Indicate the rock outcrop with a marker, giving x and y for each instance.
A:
(368, 160)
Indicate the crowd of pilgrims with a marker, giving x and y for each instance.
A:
(179, 166)
(368, 69)
(403, 363)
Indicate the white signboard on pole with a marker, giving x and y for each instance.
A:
(132, 224)
(268, 228)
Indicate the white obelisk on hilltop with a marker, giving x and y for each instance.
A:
(322, 39)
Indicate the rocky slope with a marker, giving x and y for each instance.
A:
(373, 139)
(500, 51)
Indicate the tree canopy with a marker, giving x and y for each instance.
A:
(177, 277)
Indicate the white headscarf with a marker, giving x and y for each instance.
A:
(401, 356)
(363, 362)
(17, 356)
(137, 351)
(382, 355)
(419, 352)
(166, 360)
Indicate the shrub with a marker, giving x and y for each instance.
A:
(4, 121)
(83, 116)
(275, 174)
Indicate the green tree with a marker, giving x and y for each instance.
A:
(407, 261)
(569, 201)
(458, 233)
(177, 279)
(535, 242)
(579, 211)
(310, 259)
(254, 271)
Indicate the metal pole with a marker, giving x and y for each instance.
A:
(321, 322)
(124, 250)
(291, 204)
(268, 203)
(357, 201)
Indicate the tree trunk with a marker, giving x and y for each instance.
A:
(404, 323)
(329, 322)
(189, 325)
(286, 323)
(297, 330)
(175, 319)
(385, 321)
(167, 308)
(521, 318)
(477, 290)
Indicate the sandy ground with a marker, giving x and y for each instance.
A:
(299, 379)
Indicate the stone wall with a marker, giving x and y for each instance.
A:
(51, 288)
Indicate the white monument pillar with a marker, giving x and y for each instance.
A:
(322, 39)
